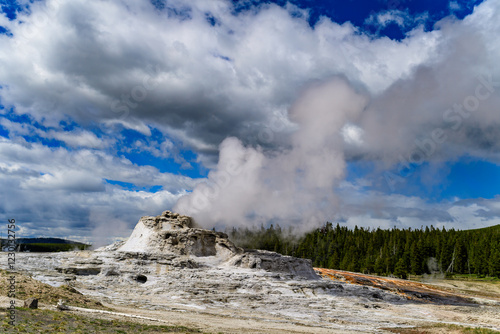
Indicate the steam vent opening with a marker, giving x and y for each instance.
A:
(141, 279)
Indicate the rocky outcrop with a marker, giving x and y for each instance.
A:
(31, 303)
(171, 233)
(171, 241)
(274, 262)
(61, 305)
(174, 234)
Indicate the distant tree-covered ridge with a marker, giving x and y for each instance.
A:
(44, 245)
(396, 251)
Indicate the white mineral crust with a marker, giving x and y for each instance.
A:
(169, 264)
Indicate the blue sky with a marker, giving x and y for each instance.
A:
(372, 113)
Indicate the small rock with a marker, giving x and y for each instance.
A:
(31, 303)
(61, 306)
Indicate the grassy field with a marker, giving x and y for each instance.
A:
(474, 277)
(57, 322)
(471, 285)
(442, 328)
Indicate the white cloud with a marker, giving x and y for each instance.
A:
(76, 138)
(18, 129)
(369, 208)
(165, 149)
(352, 134)
(195, 81)
(454, 6)
(127, 64)
(74, 181)
(383, 19)
(58, 192)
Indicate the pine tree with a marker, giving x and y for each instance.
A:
(398, 251)
(460, 256)
(494, 263)
(380, 266)
(400, 269)
(415, 259)
(333, 262)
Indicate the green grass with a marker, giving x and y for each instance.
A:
(457, 277)
(474, 277)
(470, 330)
(47, 321)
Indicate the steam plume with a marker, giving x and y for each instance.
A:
(292, 187)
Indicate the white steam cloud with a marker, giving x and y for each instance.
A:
(295, 186)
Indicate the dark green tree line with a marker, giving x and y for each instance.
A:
(396, 251)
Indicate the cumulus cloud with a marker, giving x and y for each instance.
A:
(164, 149)
(398, 17)
(446, 108)
(57, 192)
(363, 205)
(197, 79)
(78, 138)
(282, 105)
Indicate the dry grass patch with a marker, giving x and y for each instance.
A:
(442, 329)
(27, 287)
(57, 322)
